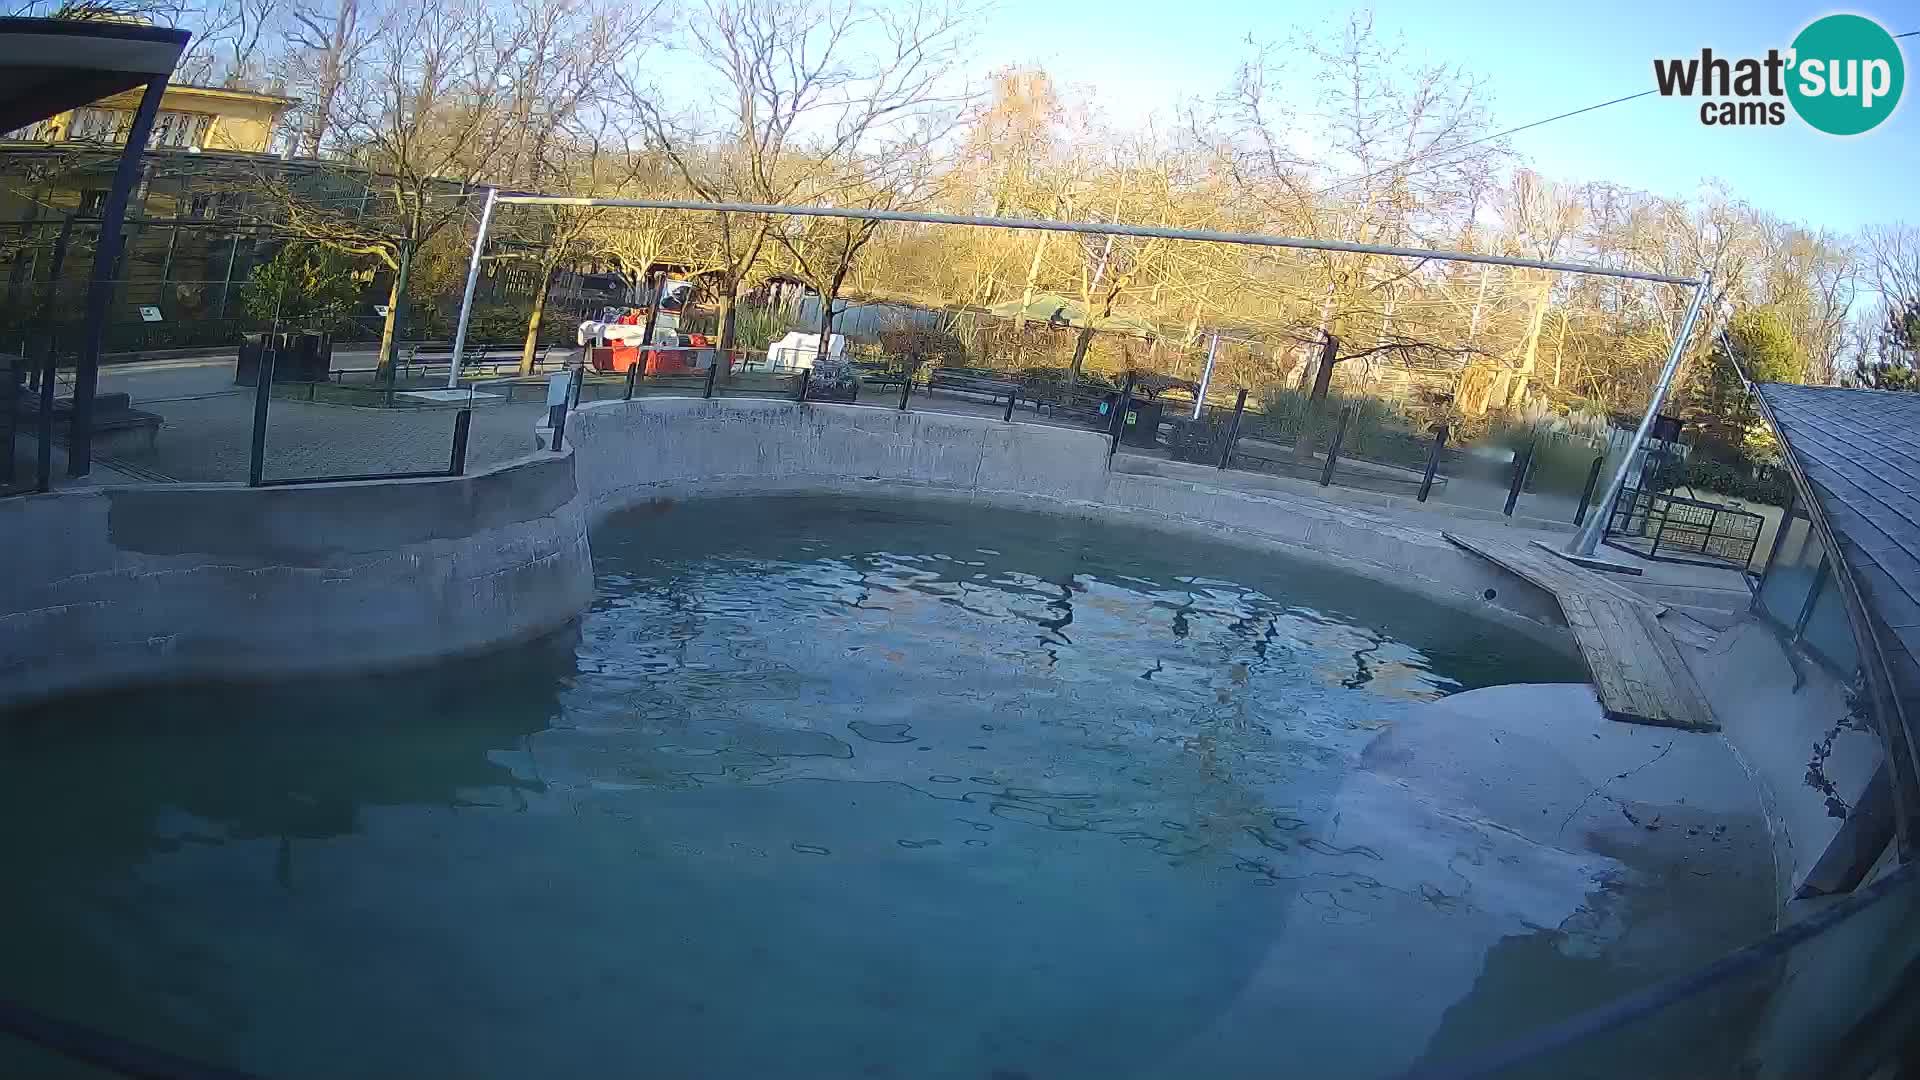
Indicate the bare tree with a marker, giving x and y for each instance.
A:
(801, 88)
(327, 41)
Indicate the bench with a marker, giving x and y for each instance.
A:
(490, 357)
(117, 426)
(992, 385)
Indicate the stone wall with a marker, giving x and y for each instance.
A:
(110, 586)
(631, 452)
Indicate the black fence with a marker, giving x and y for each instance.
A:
(1670, 528)
(265, 354)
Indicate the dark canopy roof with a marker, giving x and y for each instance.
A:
(48, 66)
(1859, 451)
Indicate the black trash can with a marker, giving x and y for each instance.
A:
(1142, 427)
(246, 372)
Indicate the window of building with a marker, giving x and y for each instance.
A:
(1800, 597)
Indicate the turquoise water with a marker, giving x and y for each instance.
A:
(816, 789)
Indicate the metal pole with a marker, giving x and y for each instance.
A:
(1433, 460)
(1013, 395)
(906, 383)
(633, 374)
(1588, 538)
(653, 309)
(1522, 461)
(226, 283)
(462, 421)
(713, 372)
(1233, 427)
(106, 258)
(1122, 408)
(1094, 228)
(1333, 448)
(1206, 377)
(262, 393)
(466, 301)
(44, 464)
(806, 376)
(1586, 493)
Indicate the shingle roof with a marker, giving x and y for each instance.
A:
(1860, 450)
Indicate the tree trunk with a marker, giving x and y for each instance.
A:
(533, 321)
(728, 314)
(1322, 382)
(396, 302)
(1080, 346)
(1026, 298)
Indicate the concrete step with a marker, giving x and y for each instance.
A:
(1689, 630)
(1692, 596)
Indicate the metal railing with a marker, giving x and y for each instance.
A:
(263, 395)
(1670, 528)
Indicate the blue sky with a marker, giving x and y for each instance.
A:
(1539, 59)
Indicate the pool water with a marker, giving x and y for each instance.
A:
(818, 788)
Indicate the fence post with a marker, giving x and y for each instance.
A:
(906, 384)
(49, 376)
(1012, 396)
(1233, 427)
(1586, 493)
(1522, 461)
(806, 377)
(713, 372)
(1433, 460)
(1122, 405)
(1662, 530)
(262, 393)
(633, 374)
(462, 420)
(1333, 448)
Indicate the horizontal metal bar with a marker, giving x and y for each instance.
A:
(1095, 228)
(291, 481)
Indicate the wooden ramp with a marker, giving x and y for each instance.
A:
(1637, 668)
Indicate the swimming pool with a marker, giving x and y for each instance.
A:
(821, 788)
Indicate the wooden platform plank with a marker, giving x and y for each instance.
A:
(1638, 672)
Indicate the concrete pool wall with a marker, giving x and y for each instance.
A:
(110, 586)
(634, 452)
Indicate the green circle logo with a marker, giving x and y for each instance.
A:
(1847, 74)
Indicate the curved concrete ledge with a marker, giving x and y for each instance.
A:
(633, 452)
(111, 586)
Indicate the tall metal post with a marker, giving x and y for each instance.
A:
(466, 301)
(86, 376)
(1587, 540)
(1233, 427)
(1433, 461)
(1333, 448)
(653, 310)
(1122, 406)
(1586, 493)
(262, 395)
(1206, 377)
(226, 283)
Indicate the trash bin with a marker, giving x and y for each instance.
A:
(304, 357)
(1142, 427)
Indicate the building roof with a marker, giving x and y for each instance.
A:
(1860, 453)
(48, 66)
